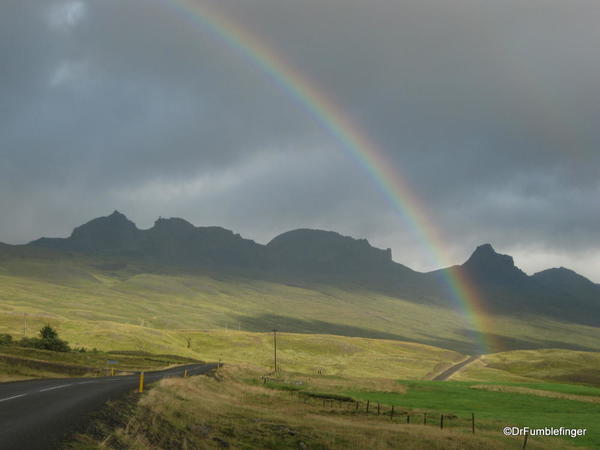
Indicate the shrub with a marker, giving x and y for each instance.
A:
(48, 340)
(6, 339)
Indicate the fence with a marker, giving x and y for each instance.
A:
(390, 412)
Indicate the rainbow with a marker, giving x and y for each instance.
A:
(388, 179)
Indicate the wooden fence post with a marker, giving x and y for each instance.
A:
(442, 421)
(525, 441)
(357, 406)
(141, 386)
(408, 419)
(392, 413)
(424, 418)
(378, 408)
(473, 422)
(368, 402)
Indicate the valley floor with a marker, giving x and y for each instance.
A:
(238, 408)
(320, 393)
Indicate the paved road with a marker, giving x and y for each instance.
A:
(452, 370)
(39, 414)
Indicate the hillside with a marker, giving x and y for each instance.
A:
(112, 285)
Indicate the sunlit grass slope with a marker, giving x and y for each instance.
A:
(298, 353)
(111, 304)
(326, 354)
(565, 366)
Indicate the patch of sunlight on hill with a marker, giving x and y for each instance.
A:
(98, 295)
(325, 354)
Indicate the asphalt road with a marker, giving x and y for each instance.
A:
(40, 414)
(452, 370)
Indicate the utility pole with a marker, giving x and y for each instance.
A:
(275, 348)
(24, 324)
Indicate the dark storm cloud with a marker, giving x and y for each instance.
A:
(489, 109)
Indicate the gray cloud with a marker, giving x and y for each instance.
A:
(489, 109)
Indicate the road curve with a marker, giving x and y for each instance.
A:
(40, 414)
(455, 368)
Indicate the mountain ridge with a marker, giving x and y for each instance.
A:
(113, 230)
(304, 255)
(303, 280)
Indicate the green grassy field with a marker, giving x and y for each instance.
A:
(536, 405)
(495, 410)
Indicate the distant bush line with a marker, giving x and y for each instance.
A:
(47, 340)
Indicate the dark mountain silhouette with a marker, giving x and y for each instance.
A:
(487, 266)
(327, 257)
(562, 278)
(104, 234)
(327, 250)
(558, 293)
(169, 241)
(569, 286)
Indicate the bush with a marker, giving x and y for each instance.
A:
(48, 340)
(48, 333)
(6, 339)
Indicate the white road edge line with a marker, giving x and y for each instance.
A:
(10, 398)
(54, 387)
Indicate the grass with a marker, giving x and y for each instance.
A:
(18, 363)
(334, 356)
(334, 341)
(563, 366)
(325, 354)
(97, 303)
(494, 409)
(225, 411)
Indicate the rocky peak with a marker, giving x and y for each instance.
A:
(486, 263)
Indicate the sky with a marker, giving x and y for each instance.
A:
(488, 110)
